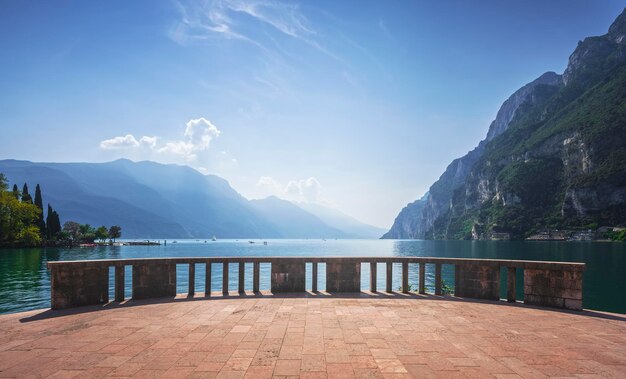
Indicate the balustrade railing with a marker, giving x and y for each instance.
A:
(554, 284)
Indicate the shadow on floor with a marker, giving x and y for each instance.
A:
(49, 313)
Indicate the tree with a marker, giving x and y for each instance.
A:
(53, 224)
(87, 233)
(73, 230)
(26, 198)
(4, 184)
(102, 233)
(16, 192)
(39, 203)
(115, 232)
(15, 218)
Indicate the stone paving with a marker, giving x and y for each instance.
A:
(354, 336)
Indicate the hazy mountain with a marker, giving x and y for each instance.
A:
(553, 157)
(153, 200)
(293, 221)
(351, 227)
(147, 199)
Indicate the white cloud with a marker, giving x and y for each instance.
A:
(197, 138)
(148, 141)
(308, 190)
(121, 142)
(202, 21)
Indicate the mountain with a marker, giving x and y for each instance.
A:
(149, 200)
(554, 157)
(351, 227)
(153, 200)
(293, 221)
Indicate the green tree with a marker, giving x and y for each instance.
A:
(102, 233)
(4, 183)
(16, 192)
(15, 218)
(87, 233)
(115, 231)
(39, 203)
(26, 198)
(73, 230)
(53, 224)
(29, 236)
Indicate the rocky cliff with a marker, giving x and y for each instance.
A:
(552, 157)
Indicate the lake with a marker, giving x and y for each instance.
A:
(25, 281)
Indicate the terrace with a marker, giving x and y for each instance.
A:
(290, 332)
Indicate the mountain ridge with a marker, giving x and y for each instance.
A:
(154, 200)
(538, 133)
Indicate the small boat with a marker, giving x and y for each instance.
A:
(250, 241)
(174, 241)
(265, 243)
(213, 239)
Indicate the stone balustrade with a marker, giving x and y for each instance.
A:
(553, 284)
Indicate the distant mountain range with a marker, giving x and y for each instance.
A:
(554, 157)
(153, 200)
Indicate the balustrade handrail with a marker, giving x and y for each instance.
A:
(548, 265)
(557, 284)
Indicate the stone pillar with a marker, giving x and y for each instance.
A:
(256, 268)
(438, 280)
(242, 277)
(343, 275)
(405, 277)
(422, 278)
(511, 279)
(289, 276)
(389, 277)
(478, 282)
(74, 285)
(192, 279)
(152, 280)
(314, 277)
(554, 288)
(373, 276)
(120, 283)
(207, 280)
(225, 279)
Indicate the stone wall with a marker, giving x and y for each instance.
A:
(554, 288)
(479, 282)
(289, 276)
(154, 280)
(76, 286)
(343, 275)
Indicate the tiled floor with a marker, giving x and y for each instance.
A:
(338, 337)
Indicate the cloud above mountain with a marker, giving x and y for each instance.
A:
(308, 190)
(197, 138)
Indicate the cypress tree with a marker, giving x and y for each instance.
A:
(53, 224)
(57, 223)
(39, 204)
(25, 195)
(49, 223)
(16, 192)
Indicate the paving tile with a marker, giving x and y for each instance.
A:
(308, 337)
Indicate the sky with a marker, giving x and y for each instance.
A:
(357, 105)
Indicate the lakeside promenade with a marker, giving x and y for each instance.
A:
(308, 335)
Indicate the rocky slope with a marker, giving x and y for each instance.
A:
(553, 156)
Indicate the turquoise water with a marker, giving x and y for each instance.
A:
(25, 281)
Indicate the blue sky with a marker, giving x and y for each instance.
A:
(358, 105)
